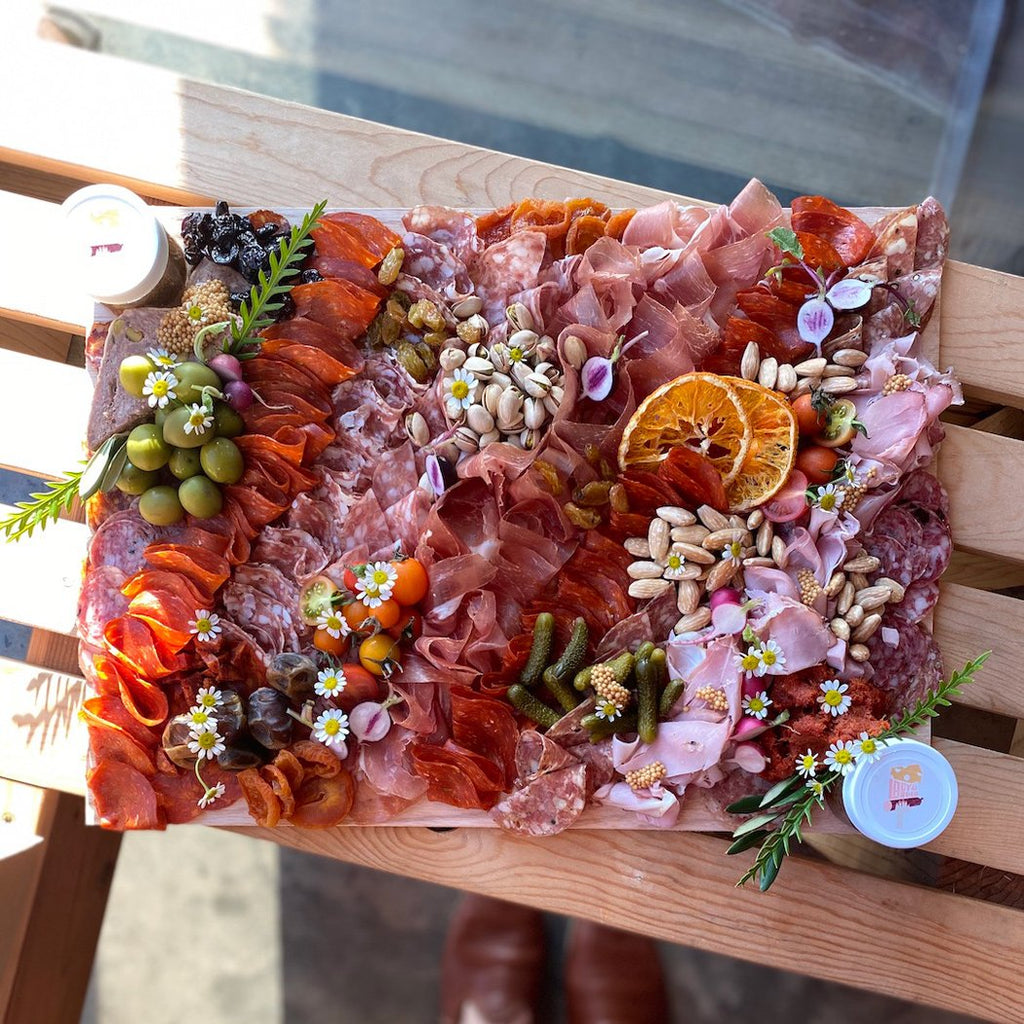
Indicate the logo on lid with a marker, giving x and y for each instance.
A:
(904, 783)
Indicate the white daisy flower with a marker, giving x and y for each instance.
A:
(207, 743)
(807, 765)
(829, 497)
(162, 358)
(382, 575)
(757, 705)
(675, 565)
(751, 661)
(817, 788)
(212, 793)
(209, 697)
(608, 710)
(733, 552)
(334, 623)
(329, 682)
(462, 387)
(771, 657)
(200, 718)
(834, 699)
(195, 313)
(866, 748)
(331, 728)
(205, 626)
(159, 388)
(199, 419)
(840, 756)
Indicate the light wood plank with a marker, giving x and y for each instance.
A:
(983, 572)
(680, 888)
(32, 340)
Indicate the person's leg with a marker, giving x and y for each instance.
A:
(613, 977)
(493, 963)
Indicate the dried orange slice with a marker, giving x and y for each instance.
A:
(699, 410)
(772, 450)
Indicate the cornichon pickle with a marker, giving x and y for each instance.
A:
(600, 728)
(560, 690)
(575, 650)
(669, 696)
(536, 710)
(645, 650)
(647, 675)
(540, 652)
(582, 680)
(621, 666)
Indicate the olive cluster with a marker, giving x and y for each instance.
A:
(177, 462)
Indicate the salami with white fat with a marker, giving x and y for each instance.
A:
(547, 805)
(908, 669)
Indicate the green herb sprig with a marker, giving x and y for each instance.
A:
(268, 296)
(44, 509)
(791, 802)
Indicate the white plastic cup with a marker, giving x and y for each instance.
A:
(116, 246)
(904, 798)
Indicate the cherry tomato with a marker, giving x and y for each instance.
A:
(841, 424)
(356, 613)
(379, 654)
(386, 614)
(349, 577)
(409, 625)
(809, 421)
(412, 584)
(315, 598)
(336, 645)
(816, 463)
(360, 686)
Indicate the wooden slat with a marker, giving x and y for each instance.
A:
(982, 473)
(43, 418)
(33, 340)
(983, 572)
(680, 888)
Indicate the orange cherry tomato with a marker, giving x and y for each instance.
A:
(386, 614)
(336, 645)
(816, 463)
(409, 625)
(412, 584)
(809, 421)
(380, 654)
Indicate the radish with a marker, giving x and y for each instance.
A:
(239, 395)
(369, 721)
(226, 366)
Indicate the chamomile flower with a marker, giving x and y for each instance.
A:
(200, 718)
(334, 623)
(205, 626)
(866, 748)
(772, 657)
(206, 742)
(159, 388)
(757, 705)
(751, 661)
(199, 419)
(817, 788)
(161, 358)
(212, 793)
(462, 387)
(807, 765)
(383, 575)
(608, 710)
(329, 682)
(209, 697)
(195, 313)
(675, 565)
(834, 699)
(840, 756)
(829, 497)
(733, 553)
(331, 728)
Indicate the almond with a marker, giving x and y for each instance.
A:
(862, 563)
(712, 518)
(871, 598)
(658, 539)
(845, 600)
(858, 652)
(697, 620)
(687, 596)
(854, 615)
(840, 627)
(867, 628)
(642, 589)
(692, 553)
(638, 547)
(765, 536)
(689, 534)
(721, 539)
(676, 516)
(644, 571)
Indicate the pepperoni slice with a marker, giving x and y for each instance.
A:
(486, 726)
(326, 368)
(348, 270)
(324, 802)
(851, 238)
(778, 317)
(457, 776)
(694, 477)
(112, 743)
(132, 643)
(261, 800)
(340, 305)
(206, 570)
(123, 797)
(354, 236)
(106, 711)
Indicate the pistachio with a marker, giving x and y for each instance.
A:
(489, 437)
(519, 317)
(787, 379)
(534, 413)
(690, 623)
(689, 534)
(467, 307)
(546, 349)
(768, 372)
(525, 341)
(712, 518)
(491, 397)
(466, 439)
(510, 408)
(520, 371)
(676, 516)
(473, 329)
(644, 571)
(575, 351)
(642, 589)
(447, 450)
(536, 385)
(529, 438)
(501, 378)
(454, 411)
(840, 627)
(476, 350)
(811, 367)
(554, 399)
(481, 368)
(858, 652)
(417, 429)
(451, 359)
(687, 597)
(658, 539)
(750, 362)
(548, 369)
(479, 419)
(498, 354)
(638, 547)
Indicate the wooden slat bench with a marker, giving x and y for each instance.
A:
(194, 143)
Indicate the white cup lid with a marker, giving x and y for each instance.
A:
(904, 798)
(116, 246)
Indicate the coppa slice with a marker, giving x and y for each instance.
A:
(700, 411)
(772, 447)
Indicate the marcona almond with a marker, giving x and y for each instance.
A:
(750, 361)
(854, 615)
(721, 539)
(835, 371)
(755, 519)
(845, 600)
(712, 518)
(811, 367)
(690, 534)
(867, 628)
(768, 372)
(687, 597)
(645, 571)
(779, 551)
(638, 547)
(765, 535)
(858, 652)
(658, 538)
(839, 385)
(698, 620)
(755, 560)
(852, 357)
(693, 553)
(859, 581)
(862, 563)
(642, 589)
(676, 516)
(840, 627)
(896, 590)
(787, 379)
(737, 522)
(721, 575)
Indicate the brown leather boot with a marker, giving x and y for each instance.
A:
(613, 977)
(493, 963)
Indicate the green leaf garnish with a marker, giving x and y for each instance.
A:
(794, 792)
(46, 507)
(785, 239)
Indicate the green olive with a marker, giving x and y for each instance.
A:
(176, 434)
(226, 421)
(222, 461)
(146, 448)
(184, 462)
(160, 416)
(160, 506)
(133, 372)
(134, 480)
(200, 496)
(192, 378)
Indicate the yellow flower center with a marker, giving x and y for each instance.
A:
(755, 704)
(333, 622)
(208, 701)
(200, 717)
(515, 355)
(380, 577)
(330, 683)
(675, 562)
(160, 388)
(750, 661)
(332, 726)
(460, 389)
(203, 625)
(735, 549)
(868, 746)
(828, 502)
(768, 657)
(843, 757)
(195, 312)
(198, 418)
(207, 740)
(833, 698)
(806, 762)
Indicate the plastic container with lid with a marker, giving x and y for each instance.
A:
(119, 251)
(904, 798)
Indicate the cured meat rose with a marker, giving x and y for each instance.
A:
(547, 805)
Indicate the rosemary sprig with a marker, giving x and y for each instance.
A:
(46, 507)
(268, 296)
(790, 804)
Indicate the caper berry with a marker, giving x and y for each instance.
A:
(200, 496)
(147, 450)
(222, 461)
(133, 372)
(184, 462)
(134, 480)
(160, 506)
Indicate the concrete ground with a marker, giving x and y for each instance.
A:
(688, 96)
